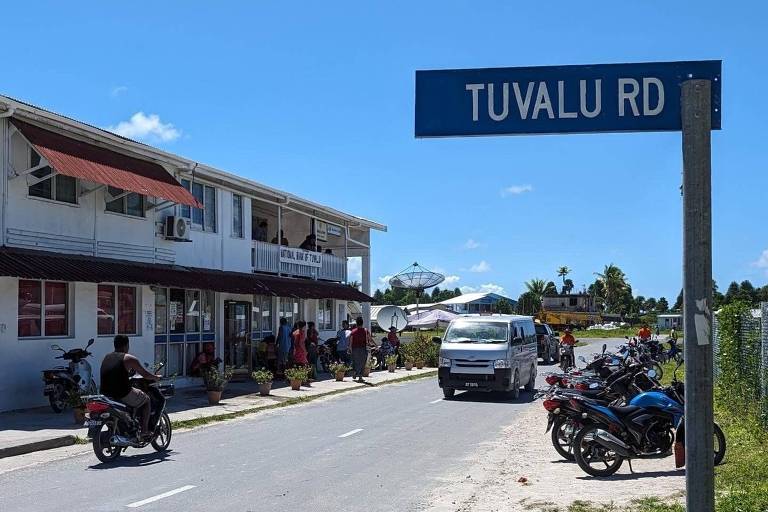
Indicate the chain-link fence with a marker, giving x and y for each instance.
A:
(744, 358)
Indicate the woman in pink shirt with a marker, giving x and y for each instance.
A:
(299, 344)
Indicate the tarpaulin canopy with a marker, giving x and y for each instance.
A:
(435, 318)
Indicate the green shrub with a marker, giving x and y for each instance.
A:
(338, 367)
(262, 376)
(216, 380)
(299, 373)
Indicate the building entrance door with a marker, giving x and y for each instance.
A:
(237, 335)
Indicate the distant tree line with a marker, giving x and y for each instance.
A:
(612, 293)
(403, 297)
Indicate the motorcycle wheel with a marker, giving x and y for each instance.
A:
(57, 401)
(592, 458)
(104, 451)
(162, 439)
(562, 437)
(720, 446)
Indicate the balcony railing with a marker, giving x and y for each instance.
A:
(266, 257)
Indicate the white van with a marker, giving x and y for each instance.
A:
(488, 353)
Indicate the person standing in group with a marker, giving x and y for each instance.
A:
(358, 341)
(394, 342)
(300, 344)
(283, 345)
(342, 343)
(312, 339)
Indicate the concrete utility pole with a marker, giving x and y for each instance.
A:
(697, 295)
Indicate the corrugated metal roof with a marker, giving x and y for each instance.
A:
(92, 163)
(29, 264)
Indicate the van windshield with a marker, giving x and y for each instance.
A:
(477, 332)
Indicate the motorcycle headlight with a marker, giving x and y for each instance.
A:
(445, 362)
(501, 363)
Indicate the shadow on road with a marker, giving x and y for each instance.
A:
(492, 397)
(135, 461)
(635, 476)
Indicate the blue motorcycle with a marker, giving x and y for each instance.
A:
(647, 428)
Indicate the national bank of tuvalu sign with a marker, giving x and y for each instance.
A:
(300, 257)
(558, 99)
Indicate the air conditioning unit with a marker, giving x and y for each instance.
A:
(177, 228)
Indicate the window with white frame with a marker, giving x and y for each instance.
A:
(325, 315)
(116, 310)
(43, 309)
(237, 215)
(201, 218)
(57, 188)
(129, 203)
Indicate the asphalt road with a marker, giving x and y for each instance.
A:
(378, 449)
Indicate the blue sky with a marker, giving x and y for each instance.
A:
(317, 98)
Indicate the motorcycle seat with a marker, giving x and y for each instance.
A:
(625, 410)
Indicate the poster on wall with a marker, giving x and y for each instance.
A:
(321, 231)
(206, 321)
(149, 320)
(172, 310)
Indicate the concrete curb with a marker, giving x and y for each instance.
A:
(36, 446)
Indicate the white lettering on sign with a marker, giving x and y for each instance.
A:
(630, 96)
(628, 101)
(300, 257)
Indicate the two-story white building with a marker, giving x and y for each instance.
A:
(101, 235)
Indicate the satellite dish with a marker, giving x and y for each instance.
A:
(416, 278)
(391, 316)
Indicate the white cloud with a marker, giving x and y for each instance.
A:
(762, 261)
(483, 266)
(355, 269)
(384, 281)
(118, 90)
(450, 280)
(471, 244)
(146, 127)
(516, 190)
(483, 288)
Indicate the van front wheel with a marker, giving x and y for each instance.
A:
(531, 385)
(448, 393)
(514, 393)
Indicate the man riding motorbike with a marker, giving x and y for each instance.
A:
(644, 333)
(567, 338)
(116, 383)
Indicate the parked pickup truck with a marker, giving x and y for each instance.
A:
(547, 343)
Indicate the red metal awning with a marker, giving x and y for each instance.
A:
(93, 163)
(33, 264)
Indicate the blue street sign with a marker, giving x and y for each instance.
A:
(558, 99)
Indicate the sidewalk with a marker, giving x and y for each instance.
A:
(37, 429)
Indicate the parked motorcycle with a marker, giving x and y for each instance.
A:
(566, 357)
(647, 428)
(619, 386)
(63, 383)
(113, 426)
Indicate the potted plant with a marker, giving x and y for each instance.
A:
(75, 401)
(391, 363)
(264, 379)
(296, 376)
(339, 370)
(215, 381)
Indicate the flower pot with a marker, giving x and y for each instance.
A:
(391, 368)
(409, 365)
(340, 376)
(366, 371)
(214, 396)
(419, 365)
(264, 388)
(79, 415)
(295, 384)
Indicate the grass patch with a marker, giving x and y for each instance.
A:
(81, 440)
(605, 333)
(198, 422)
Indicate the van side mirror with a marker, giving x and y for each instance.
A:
(437, 340)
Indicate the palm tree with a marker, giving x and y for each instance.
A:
(537, 288)
(614, 283)
(562, 272)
